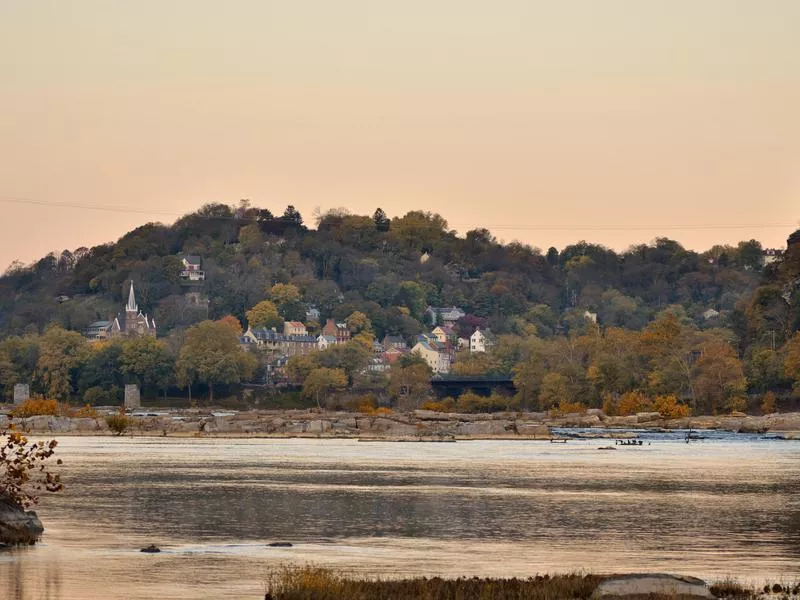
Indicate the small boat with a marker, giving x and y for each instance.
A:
(558, 440)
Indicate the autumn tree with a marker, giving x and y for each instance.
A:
(358, 322)
(59, 351)
(321, 382)
(147, 361)
(264, 314)
(212, 355)
(718, 377)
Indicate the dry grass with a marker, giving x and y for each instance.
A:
(314, 583)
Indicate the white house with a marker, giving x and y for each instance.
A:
(191, 268)
(438, 360)
(710, 314)
(447, 315)
(590, 316)
(480, 341)
(325, 341)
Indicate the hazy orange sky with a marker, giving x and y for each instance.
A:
(546, 121)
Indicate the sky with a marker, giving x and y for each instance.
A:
(614, 121)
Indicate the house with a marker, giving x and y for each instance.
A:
(435, 355)
(191, 268)
(294, 328)
(771, 255)
(336, 330)
(590, 316)
(480, 341)
(325, 341)
(377, 364)
(445, 334)
(394, 341)
(710, 314)
(392, 355)
(133, 324)
(279, 343)
(447, 315)
(312, 314)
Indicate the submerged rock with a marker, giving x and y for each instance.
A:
(151, 549)
(280, 545)
(18, 526)
(652, 584)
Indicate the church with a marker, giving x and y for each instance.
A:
(133, 323)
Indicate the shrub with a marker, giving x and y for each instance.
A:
(37, 406)
(566, 408)
(610, 405)
(737, 404)
(670, 408)
(84, 412)
(119, 422)
(23, 471)
(631, 403)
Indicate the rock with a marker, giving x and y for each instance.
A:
(18, 526)
(280, 545)
(151, 549)
(318, 426)
(647, 417)
(647, 584)
(482, 428)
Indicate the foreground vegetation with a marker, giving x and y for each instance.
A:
(313, 583)
(654, 342)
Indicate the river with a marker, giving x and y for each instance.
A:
(727, 505)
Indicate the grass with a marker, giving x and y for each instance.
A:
(317, 583)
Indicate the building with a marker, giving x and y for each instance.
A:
(312, 314)
(325, 341)
(446, 334)
(771, 255)
(394, 341)
(481, 341)
(710, 314)
(191, 268)
(133, 324)
(447, 315)
(590, 316)
(294, 328)
(279, 343)
(336, 330)
(433, 353)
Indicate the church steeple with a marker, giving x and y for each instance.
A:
(131, 306)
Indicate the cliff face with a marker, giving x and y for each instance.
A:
(18, 526)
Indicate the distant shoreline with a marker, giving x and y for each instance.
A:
(419, 425)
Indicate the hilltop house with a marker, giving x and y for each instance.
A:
(191, 268)
(134, 323)
(336, 330)
(480, 341)
(447, 315)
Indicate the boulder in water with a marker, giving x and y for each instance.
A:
(18, 526)
(151, 549)
(280, 545)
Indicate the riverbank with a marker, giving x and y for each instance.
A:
(415, 425)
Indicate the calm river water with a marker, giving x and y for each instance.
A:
(726, 506)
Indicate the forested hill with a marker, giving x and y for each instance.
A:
(392, 269)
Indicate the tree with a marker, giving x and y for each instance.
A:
(233, 323)
(791, 363)
(410, 383)
(382, 222)
(283, 293)
(321, 382)
(212, 355)
(292, 216)
(250, 238)
(264, 314)
(555, 389)
(358, 322)
(718, 377)
(148, 361)
(59, 351)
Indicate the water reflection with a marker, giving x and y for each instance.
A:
(491, 508)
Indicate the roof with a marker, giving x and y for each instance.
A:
(99, 324)
(192, 259)
(295, 323)
(328, 338)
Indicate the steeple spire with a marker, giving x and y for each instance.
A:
(131, 306)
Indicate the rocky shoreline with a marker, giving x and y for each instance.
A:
(415, 425)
